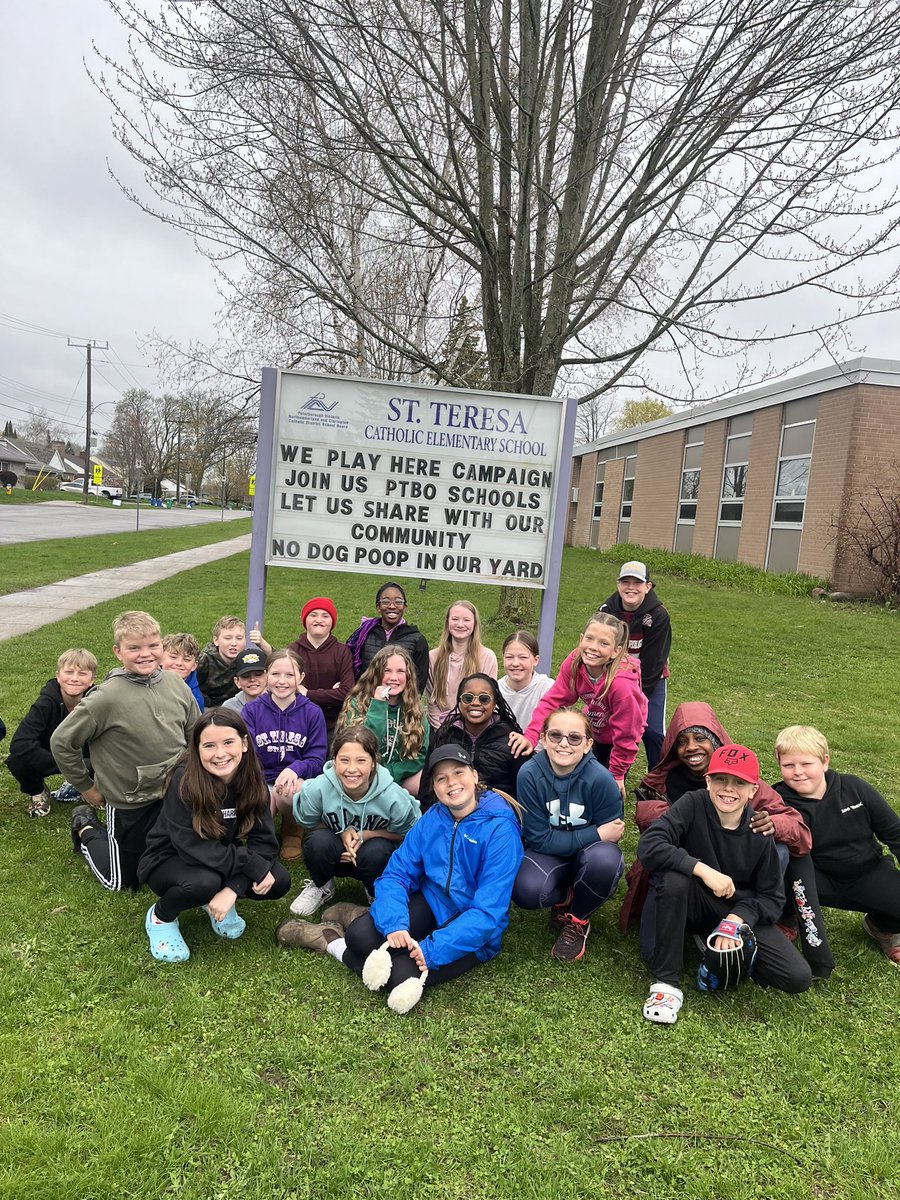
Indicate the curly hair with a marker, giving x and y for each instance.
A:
(412, 731)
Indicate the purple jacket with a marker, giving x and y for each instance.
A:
(291, 737)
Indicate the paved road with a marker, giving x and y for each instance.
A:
(68, 519)
(21, 612)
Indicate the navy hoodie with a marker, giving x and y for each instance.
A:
(562, 812)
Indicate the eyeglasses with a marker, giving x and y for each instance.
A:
(391, 603)
(469, 697)
(556, 736)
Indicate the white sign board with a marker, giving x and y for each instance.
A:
(432, 483)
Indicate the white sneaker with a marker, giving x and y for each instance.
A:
(312, 898)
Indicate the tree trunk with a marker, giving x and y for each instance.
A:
(517, 605)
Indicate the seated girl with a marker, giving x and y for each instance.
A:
(481, 722)
(386, 699)
(357, 815)
(572, 826)
(443, 903)
(213, 842)
(389, 628)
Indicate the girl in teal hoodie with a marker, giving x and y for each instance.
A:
(358, 816)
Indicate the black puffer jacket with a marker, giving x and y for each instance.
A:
(490, 753)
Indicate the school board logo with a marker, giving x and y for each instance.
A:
(317, 404)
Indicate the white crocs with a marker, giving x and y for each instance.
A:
(663, 1004)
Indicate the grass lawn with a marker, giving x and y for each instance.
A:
(43, 495)
(255, 1073)
(61, 558)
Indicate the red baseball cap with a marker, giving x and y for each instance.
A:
(734, 760)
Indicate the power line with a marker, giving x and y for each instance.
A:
(22, 326)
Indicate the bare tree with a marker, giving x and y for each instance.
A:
(39, 426)
(142, 437)
(631, 166)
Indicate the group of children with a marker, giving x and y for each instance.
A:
(448, 794)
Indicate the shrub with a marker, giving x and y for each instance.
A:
(715, 571)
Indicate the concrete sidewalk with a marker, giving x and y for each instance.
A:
(21, 612)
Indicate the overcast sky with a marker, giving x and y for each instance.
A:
(81, 260)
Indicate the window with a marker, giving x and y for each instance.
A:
(627, 497)
(598, 504)
(689, 490)
(734, 487)
(791, 484)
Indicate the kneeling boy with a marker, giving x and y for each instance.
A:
(30, 758)
(849, 820)
(713, 876)
(136, 724)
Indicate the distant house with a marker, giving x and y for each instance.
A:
(13, 459)
(758, 478)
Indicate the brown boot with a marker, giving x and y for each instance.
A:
(291, 839)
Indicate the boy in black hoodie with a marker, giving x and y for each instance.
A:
(713, 876)
(849, 821)
(649, 640)
(30, 758)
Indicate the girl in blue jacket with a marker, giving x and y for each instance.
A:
(572, 828)
(442, 904)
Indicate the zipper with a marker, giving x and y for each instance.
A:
(450, 867)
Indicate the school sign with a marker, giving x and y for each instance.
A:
(423, 482)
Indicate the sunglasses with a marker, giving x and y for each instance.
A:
(469, 697)
(556, 736)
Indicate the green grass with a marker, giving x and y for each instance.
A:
(61, 558)
(713, 570)
(253, 1073)
(42, 496)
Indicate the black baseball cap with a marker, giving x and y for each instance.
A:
(451, 753)
(248, 662)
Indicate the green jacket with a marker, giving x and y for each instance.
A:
(388, 746)
(136, 727)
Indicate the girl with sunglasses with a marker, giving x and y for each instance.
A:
(572, 826)
(482, 723)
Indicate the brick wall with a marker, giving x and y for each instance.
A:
(710, 487)
(612, 503)
(827, 480)
(581, 532)
(656, 487)
(874, 453)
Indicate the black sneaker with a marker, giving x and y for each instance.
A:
(83, 817)
(570, 944)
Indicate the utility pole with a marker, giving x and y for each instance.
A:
(88, 346)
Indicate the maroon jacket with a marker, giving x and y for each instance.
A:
(330, 665)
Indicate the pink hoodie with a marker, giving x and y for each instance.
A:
(618, 719)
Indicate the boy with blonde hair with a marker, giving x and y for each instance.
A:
(136, 724)
(849, 821)
(30, 758)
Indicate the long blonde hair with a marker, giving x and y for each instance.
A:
(412, 719)
(471, 659)
(621, 630)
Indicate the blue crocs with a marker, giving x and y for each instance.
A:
(166, 942)
(231, 926)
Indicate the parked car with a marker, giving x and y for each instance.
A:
(94, 489)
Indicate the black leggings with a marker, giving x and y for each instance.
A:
(363, 937)
(876, 892)
(683, 904)
(182, 885)
(322, 852)
(593, 875)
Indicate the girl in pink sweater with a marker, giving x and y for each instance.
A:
(600, 673)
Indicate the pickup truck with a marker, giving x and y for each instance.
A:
(95, 489)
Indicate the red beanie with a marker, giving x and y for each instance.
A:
(318, 602)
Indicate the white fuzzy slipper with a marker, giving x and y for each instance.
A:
(377, 968)
(663, 1004)
(406, 995)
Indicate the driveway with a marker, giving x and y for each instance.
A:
(68, 519)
